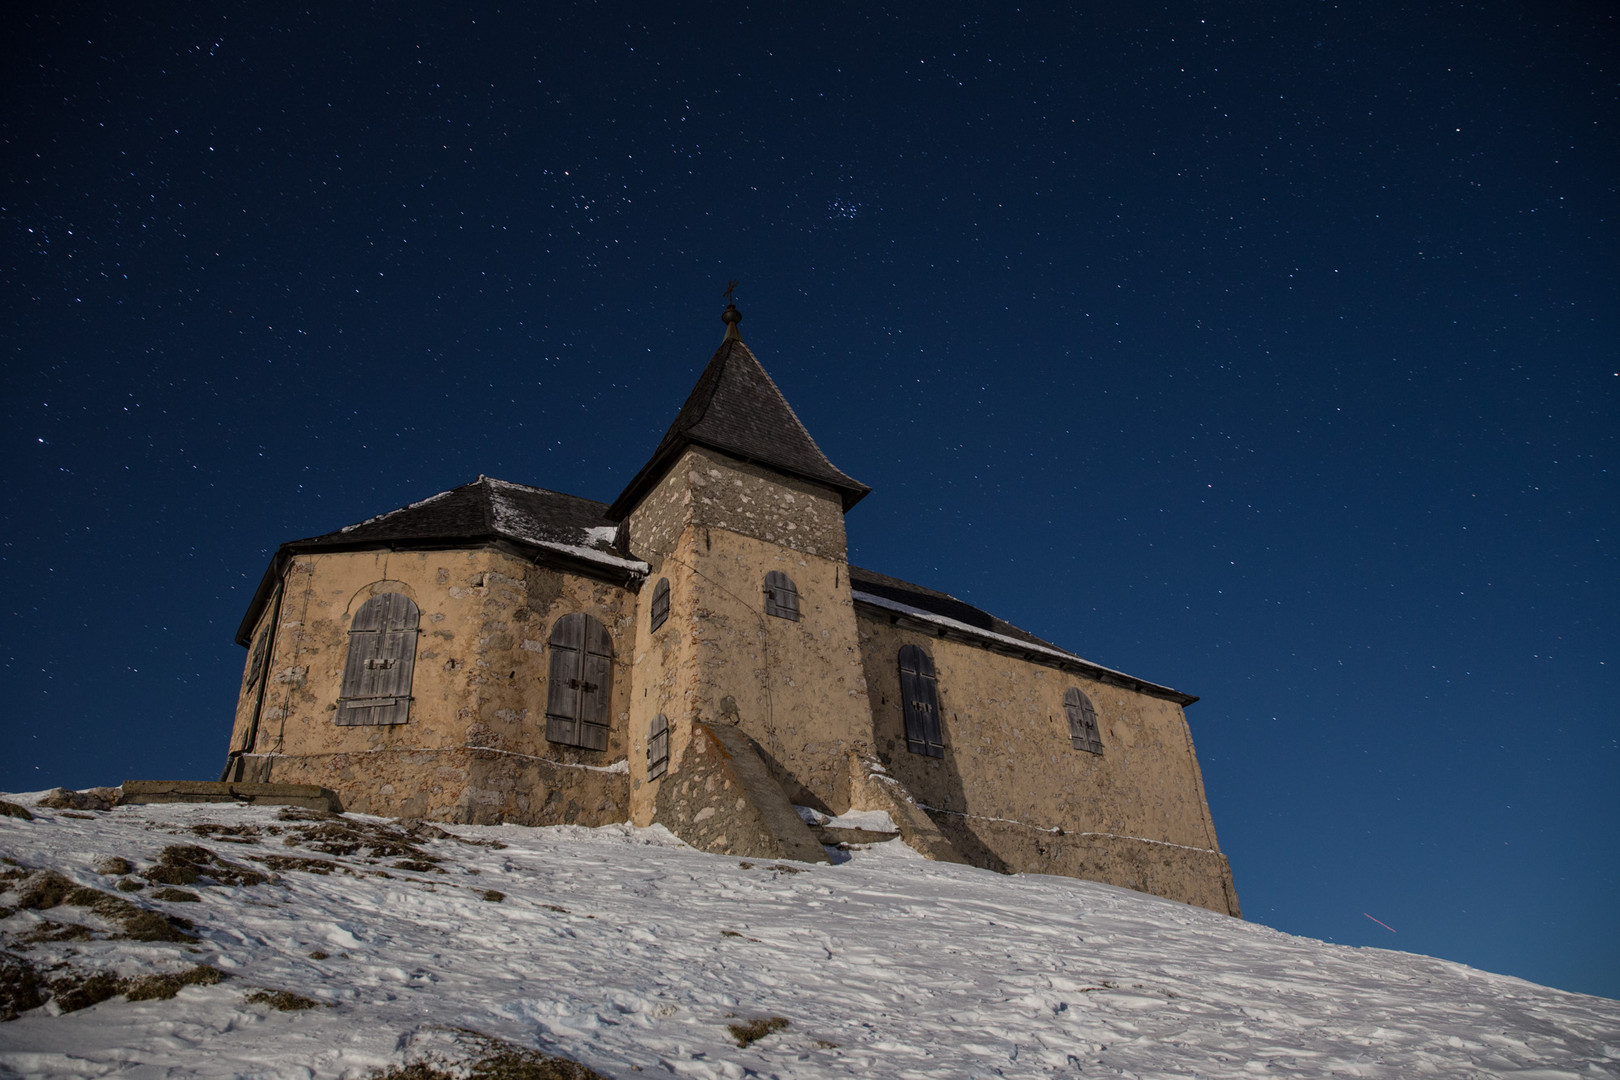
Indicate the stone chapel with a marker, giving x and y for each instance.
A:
(700, 653)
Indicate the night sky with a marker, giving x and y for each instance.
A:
(1267, 351)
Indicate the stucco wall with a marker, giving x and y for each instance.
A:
(1012, 793)
(479, 679)
(715, 527)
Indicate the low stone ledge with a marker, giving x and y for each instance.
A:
(308, 796)
(834, 836)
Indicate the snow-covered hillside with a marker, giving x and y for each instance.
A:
(626, 951)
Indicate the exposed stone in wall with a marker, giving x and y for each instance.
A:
(766, 505)
(872, 788)
(472, 787)
(716, 803)
(708, 488)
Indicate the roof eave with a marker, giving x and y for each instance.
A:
(1054, 658)
(661, 462)
(623, 576)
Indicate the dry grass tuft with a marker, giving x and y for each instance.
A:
(282, 1000)
(757, 1029)
(495, 1059)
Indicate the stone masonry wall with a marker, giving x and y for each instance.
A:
(479, 681)
(1012, 793)
(796, 687)
(464, 785)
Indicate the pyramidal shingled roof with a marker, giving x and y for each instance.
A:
(737, 409)
(538, 522)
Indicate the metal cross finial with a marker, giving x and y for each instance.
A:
(730, 288)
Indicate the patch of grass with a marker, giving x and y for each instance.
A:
(784, 868)
(164, 987)
(419, 866)
(232, 833)
(54, 931)
(177, 896)
(756, 1029)
(554, 907)
(183, 874)
(417, 1070)
(81, 817)
(319, 955)
(19, 987)
(733, 933)
(282, 1000)
(155, 926)
(43, 889)
(73, 991)
(494, 896)
(130, 885)
(296, 862)
(11, 809)
(185, 864)
(114, 866)
(491, 1059)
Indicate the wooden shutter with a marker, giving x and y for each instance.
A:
(919, 697)
(382, 657)
(256, 668)
(1082, 721)
(579, 690)
(660, 604)
(781, 596)
(658, 747)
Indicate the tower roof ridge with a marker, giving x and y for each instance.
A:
(737, 408)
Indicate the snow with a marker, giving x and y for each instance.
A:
(869, 820)
(513, 522)
(626, 950)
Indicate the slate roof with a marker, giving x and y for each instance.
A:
(533, 520)
(737, 409)
(945, 615)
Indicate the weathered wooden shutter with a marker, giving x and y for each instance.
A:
(781, 596)
(580, 688)
(382, 655)
(919, 697)
(256, 668)
(660, 604)
(1082, 721)
(658, 747)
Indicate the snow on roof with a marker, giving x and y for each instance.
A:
(511, 519)
(402, 510)
(1017, 644)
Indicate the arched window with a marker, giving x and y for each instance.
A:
(660, 604)
(658, 747)
(781, 596)
(382, 653)
(581, 683)
(1082, 721)
(919, 698)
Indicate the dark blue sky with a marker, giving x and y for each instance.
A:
(1266, 351)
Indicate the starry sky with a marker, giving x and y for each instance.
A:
(1267, 351)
